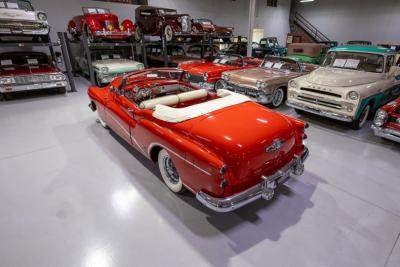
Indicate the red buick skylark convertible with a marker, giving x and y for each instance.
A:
(221, 146)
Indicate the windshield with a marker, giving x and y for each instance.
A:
(167, 12)
(230, 60)
(355, 60)
(280, 63)
(16, 4)
(8, 60)
(95, 10)
(269, 42)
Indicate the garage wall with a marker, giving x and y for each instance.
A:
(223, 12)
(344, 20)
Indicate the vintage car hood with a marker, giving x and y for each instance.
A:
(251, 76)
(341, 77)
(27, 70)
(17, 14)
(118, 65)
(201, 68)
(102, 17)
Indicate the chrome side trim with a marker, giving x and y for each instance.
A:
(265, 189)
(176, 154)
(320, 112)
(387, 133)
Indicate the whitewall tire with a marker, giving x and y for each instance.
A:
(168, 33)
(169, 173)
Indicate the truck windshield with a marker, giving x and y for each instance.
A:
(16, 4)
(355, 60)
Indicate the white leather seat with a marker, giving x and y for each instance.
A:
(192, 95)
(171, 100)
(175, 115)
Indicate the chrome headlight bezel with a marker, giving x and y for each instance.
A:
(41, 16)
(380, 118)
(7, 80)
(293, 84)
(353, 95)
(261, 84)
(104, 69)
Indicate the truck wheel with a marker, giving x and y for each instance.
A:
(278, 97)
(168, 33)
(360, 122)
(169, 173)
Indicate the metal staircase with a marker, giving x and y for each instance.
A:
(308, 28)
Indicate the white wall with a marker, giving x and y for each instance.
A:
(223, 12)
(343, 20)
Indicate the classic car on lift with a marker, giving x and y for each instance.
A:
(387, 121)
(100, 24)
(353, 82)
(272, 43)
(207, 74)
(312, 53)
(25, 71)
(107, 64)
(194, 51)
(19, 20)
(266, 84)
(175, 55)
(221, 146)
(212, 30)
(158, 21)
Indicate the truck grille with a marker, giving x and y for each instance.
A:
(320, 92)
(319, 102)
(32, 79)
(252, 92)
(196, 78)
(21, 25)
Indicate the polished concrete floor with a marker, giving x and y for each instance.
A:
(72, 194)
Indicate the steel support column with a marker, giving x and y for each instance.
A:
(252, 15)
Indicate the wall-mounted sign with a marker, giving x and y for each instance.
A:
(132, 2)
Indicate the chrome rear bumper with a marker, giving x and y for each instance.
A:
(387, 133)
(32, 86)
(320, 112)
(265, 189)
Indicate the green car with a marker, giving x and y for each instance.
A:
(307, 52)
(272, 42)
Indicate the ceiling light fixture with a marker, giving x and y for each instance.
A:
(306, 1)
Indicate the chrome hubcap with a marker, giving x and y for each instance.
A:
(278, 97)
(170, 170)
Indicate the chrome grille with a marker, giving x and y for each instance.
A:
(196, 78)
(186, 24)
(252, 92)
(319, 102)
(21, 25)
(320, 92)
(32, 79)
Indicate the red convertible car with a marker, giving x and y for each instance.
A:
(207, 74)
(387, 121)
(221, 146)
(100, 23)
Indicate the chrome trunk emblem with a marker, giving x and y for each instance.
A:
(276, 145)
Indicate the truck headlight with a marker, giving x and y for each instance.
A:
(104, 69)
(293, 84)
(42, 16)
(7, 80)
(57, 77)
(261, 85)
(353, 95)
(205, 77)
(380, 118)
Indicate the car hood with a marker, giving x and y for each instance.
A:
(251, 76)
(200, 68)
(17, 14)
(341, 77)
(118, 65)
(27, 70)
